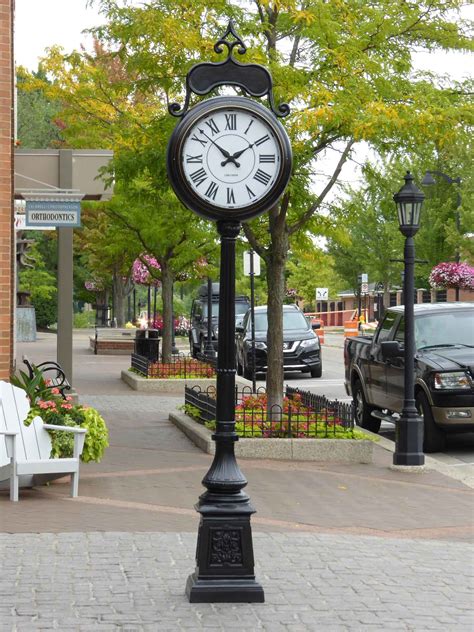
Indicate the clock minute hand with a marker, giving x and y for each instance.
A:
(223, 151)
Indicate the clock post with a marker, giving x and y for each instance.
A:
(209, 176)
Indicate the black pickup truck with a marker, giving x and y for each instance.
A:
(444, 370)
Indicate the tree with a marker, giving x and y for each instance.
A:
(39, 125)
(344, 67)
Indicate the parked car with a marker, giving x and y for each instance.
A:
(301, 347)
(444, 370)
(199, 318)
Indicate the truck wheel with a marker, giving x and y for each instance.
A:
(248, 375)
(434, 438)
(238, 365)
(362, 410)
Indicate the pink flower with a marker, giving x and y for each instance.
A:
(452, 275)
(141, 270)
(55, 391)
(66, 406)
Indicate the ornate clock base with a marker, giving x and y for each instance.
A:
(224, 557)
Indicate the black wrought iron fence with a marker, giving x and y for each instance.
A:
(180, 366)
(303, 414)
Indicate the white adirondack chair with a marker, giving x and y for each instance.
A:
(25, 450)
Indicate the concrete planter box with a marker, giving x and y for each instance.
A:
(158, 385)
(163, 385)
(322, 450)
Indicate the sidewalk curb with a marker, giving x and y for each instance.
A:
(430, 463)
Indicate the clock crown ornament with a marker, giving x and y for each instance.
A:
(204, 77)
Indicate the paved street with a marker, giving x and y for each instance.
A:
(337, 547)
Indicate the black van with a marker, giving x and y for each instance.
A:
(198, 330)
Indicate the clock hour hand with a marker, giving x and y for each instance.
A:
(236, 155)
(223, 151)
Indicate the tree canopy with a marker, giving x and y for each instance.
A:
(345, 67)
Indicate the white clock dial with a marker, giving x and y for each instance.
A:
(231, 158)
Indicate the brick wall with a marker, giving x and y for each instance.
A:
(6, 187)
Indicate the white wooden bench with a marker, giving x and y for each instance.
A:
(113, 340)
(52, 373)
(25, 450)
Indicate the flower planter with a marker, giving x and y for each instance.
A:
(317, 450)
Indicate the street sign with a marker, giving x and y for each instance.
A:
(256, 263)
(322, 293)
(364, 277)
(364, 288)
(55, 213)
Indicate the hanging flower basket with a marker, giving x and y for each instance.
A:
(141, 270)
(452, 275)
(93, 286)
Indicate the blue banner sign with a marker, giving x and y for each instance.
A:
(58, 213)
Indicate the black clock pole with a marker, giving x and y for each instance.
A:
(224, 554)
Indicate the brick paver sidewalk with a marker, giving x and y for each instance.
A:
(337, 547)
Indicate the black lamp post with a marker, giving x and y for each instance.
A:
(427, 181)
(409, 429)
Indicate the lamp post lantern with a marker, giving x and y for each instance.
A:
(409, 429)
(214, 163)
(428, 181)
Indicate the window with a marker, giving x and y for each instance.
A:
(386, 326)
(400, 332)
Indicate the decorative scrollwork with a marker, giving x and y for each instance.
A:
(226, 547)
(230, 45)
(204, 77)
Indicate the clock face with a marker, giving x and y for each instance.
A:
(229, 157)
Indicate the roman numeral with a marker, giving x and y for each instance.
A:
(212, 190)
(251, 123)
(198, 176)
(250, 192)
(262, 176)
(195, 159)
(262, 140)
(231, 121)
(230, 196)
(266, 158)
(212, 126)
(203, 141)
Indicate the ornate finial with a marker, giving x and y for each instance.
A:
(230, 45)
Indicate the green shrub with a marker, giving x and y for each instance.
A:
(84, 320)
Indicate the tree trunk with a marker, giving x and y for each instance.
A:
(276, 289)
(167, 296)
(121, 291)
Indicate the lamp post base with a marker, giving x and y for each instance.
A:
(224, 554)
(223, 590)
(409, 439)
